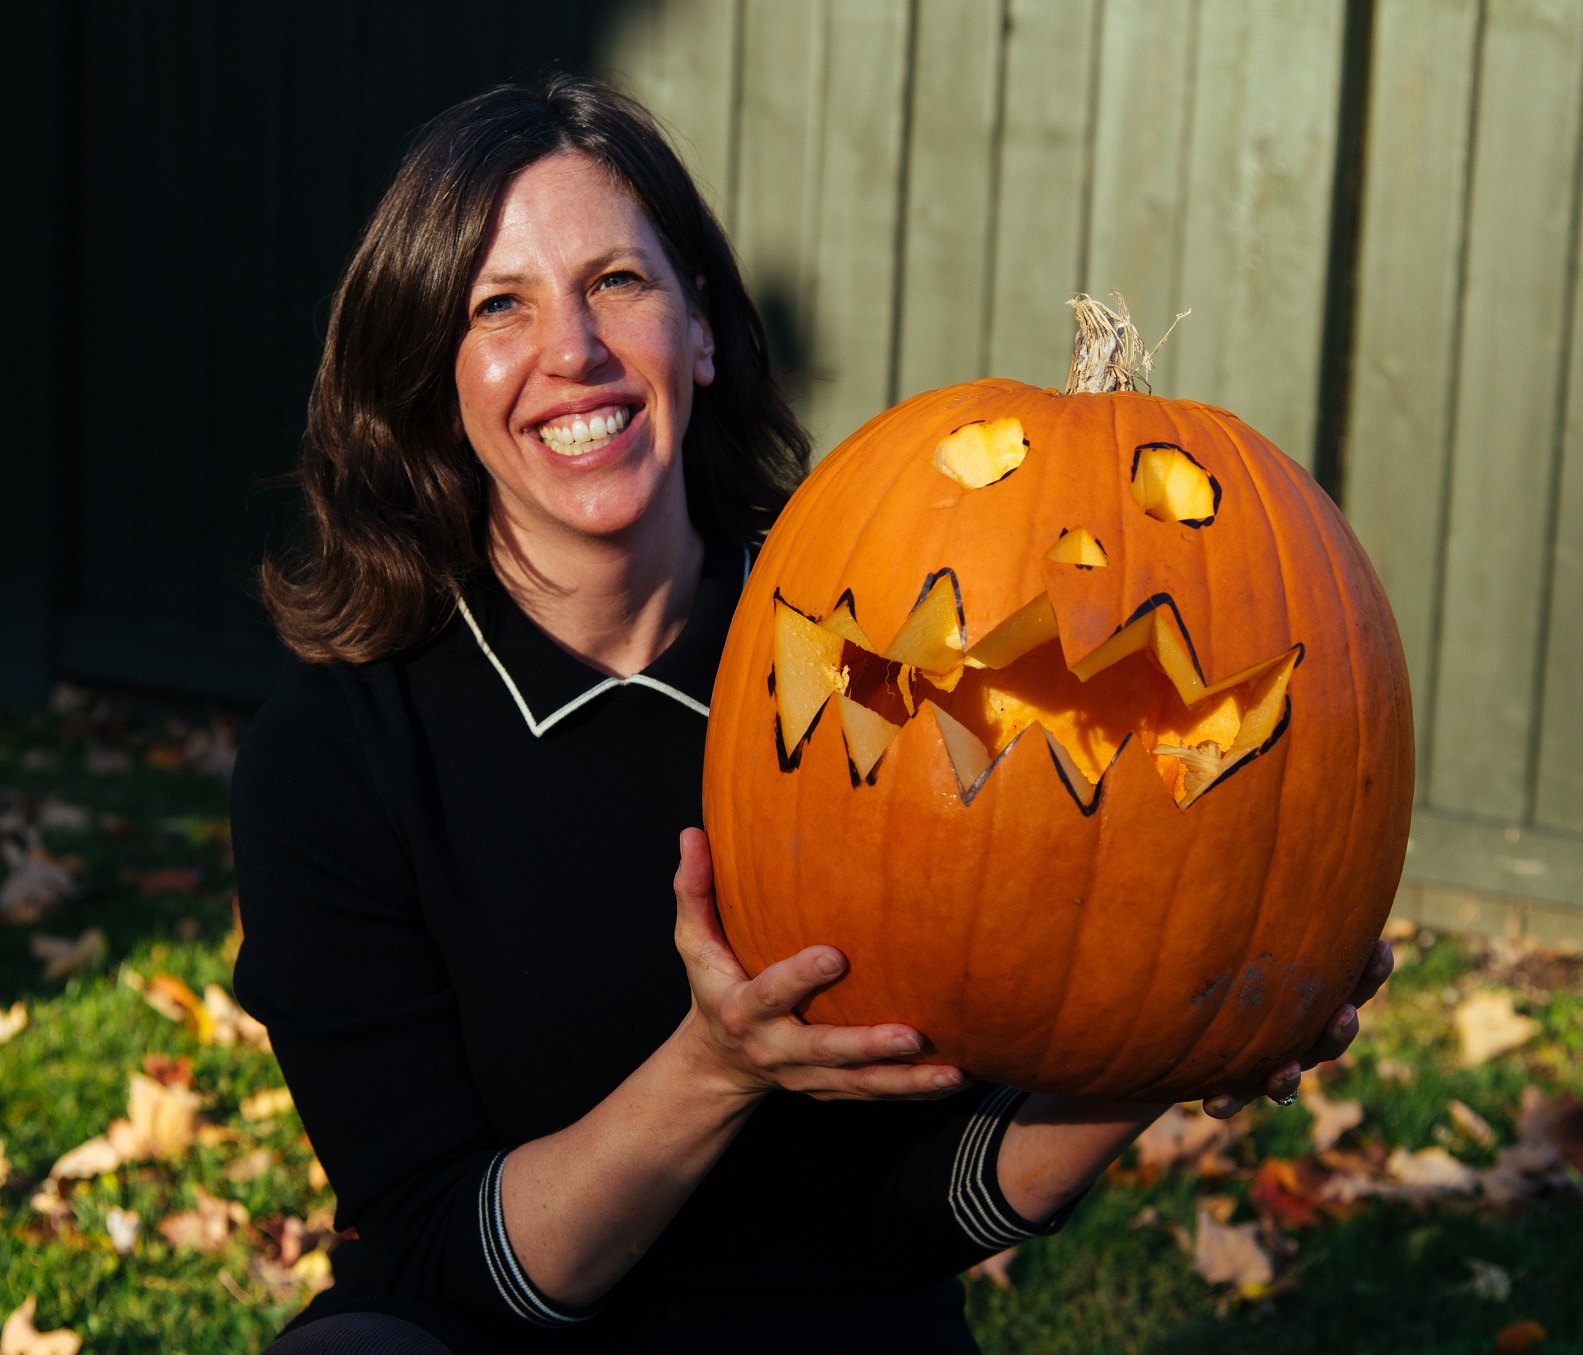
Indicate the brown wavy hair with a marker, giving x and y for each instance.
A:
(397, 502)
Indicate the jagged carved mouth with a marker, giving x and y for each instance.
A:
(1143, 682)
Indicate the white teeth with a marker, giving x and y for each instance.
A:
(584, 435)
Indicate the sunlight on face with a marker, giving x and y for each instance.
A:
(575, 374)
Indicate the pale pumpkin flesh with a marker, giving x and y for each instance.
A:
(1143, 682)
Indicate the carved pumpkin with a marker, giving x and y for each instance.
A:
(1080, 724)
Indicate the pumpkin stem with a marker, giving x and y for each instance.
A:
(1109, 354)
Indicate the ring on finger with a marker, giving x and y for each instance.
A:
(1290, 1099)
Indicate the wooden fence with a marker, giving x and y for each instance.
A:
(1372, 211)
(1371, 207)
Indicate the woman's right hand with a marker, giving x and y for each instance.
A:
(745, 1032)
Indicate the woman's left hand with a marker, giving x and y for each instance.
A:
(1340, 1033)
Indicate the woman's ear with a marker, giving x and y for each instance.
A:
(703, 337)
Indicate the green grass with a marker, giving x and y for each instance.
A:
(1386, 1278)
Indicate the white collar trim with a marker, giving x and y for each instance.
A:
(536, 726)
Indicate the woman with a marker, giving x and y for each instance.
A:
(542, 442)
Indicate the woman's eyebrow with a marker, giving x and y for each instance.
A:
(516, 278)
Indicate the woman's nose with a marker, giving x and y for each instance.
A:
(571, 345)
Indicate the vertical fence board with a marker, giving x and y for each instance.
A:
(950, 189)
(1142, 126)
(1044, 172)
(853, 285)
(1408, 292)
(679, 58)
(1519, 246)
(778, 179)
(1558, 789)
(1257, 213)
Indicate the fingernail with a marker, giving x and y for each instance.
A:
(906, 1044)
(828, 964)
(1219, 1106)
(948, 1077)
(1344, 1025)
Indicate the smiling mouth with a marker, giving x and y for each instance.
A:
(585, 432)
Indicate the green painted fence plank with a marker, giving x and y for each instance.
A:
(678, 57)
(779, 163)
(1258, 214)
(1558, 789)
(1042, 199)
(1520, 239)
(1497, 858)
(1399, 426)
(1143, 124)
(854, 251)
(950, 187)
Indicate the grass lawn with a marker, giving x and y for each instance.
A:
(231, 1218)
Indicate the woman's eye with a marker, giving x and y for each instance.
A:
(494, 305)
(619, 278)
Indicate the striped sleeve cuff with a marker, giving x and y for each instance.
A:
(977, 1200)
(519, 1292)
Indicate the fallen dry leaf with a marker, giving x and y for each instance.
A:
(1332, 1119)
(996, 1268)
(13, 1021)
(1557, 1121)
(1392, 1070)
(1519, 1335)
(1289, 1192)
(160, 1122)
(1471, 1123)
(168, 1071)
(1186, 1137)
(1488, 1026)
(37, 884)
(122, 1226)
(312, 1270)
(92, 1158)
(251, 1165)
(266, 1104)
(207, 1226)
(168, 880)
(64, 957)
(1489, 1282)
(174, 1000)
(20, 1337)
(1231, 1254)
(47, 1201)
(230, 1022)
(5, 1164)
(63, 815)
(1430, 1172)
(317, 1178)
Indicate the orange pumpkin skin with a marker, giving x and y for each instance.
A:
(1140, 951)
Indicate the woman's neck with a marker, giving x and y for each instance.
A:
(615, 603)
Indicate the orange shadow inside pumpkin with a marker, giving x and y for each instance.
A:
(1144, 681)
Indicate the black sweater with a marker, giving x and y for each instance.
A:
(458, 916)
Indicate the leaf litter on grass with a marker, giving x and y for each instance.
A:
(1406, 1125)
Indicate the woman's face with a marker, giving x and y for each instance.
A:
(575, 374)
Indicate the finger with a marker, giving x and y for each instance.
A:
(1381, 962)
(699, 938)
(787, 982)
(1341, 1032)
(1224, 1106)
(1284, 1082)
(881, 1081)
(850, 1046)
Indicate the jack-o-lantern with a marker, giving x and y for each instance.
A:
(1080, 723)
